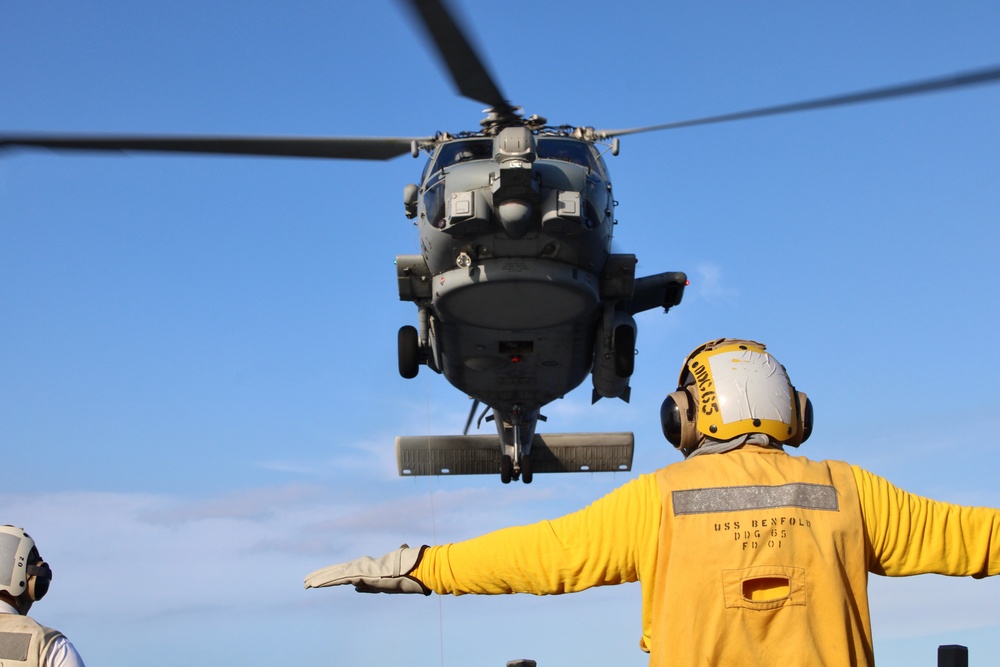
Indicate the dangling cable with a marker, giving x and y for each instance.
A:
(430, 483)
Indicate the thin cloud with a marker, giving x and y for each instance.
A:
(710, 284)
(169, 554)
(247, 504)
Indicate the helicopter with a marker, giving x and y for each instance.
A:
(518, 294)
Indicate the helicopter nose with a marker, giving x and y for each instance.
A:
(515, 216)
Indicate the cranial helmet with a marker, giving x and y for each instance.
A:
(731, 387)
(22, 569)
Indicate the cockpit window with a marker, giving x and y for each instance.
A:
(454, 152)
(570, 150)
(464, 151)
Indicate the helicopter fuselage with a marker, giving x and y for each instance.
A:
(517, 289)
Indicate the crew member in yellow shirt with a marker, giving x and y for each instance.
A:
(746, 555)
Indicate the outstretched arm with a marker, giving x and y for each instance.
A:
(608, 542)
(910, 534)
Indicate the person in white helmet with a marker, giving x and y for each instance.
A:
(24, 579)
(746, 555)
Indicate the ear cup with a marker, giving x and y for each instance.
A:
(671, 420)
(39, 577)
(807, 417)
(803, 420)
(677, 420)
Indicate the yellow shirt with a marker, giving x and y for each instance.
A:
(747, 557)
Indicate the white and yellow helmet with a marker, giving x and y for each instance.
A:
(732, 387)
(22, 569)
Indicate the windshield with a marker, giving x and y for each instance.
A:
(464, 151)
(569, 150)
(454, 152)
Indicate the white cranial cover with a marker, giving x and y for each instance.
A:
(751, 385)
(15, 545)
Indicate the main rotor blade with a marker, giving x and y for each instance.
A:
(349, 148)
(459, 56)
(960, 80)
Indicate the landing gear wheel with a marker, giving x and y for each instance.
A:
(526, 473)
(506, 468)
(409, 352)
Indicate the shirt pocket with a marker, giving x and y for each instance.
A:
(764, 587)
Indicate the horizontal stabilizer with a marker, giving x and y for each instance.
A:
(664, 290)
(480, 454)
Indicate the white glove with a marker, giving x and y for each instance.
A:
(388, 574)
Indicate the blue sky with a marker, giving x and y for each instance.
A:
(198, 386)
